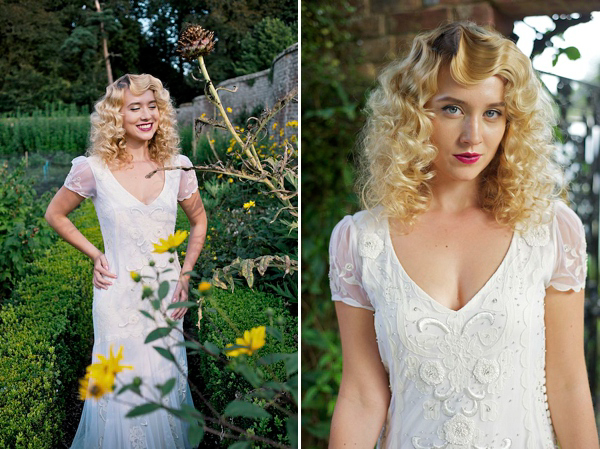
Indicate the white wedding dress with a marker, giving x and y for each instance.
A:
(129, 229)
(472, 378)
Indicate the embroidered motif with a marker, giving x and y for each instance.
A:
(459, 430)
(137, 437)
(432, 372)
(486, 371)
(370, 245)
(538, 236)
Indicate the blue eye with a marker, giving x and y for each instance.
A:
(451, 109)
(492, 113)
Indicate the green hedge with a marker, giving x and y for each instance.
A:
(246, 309)
(45, 340)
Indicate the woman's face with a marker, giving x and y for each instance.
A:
(140, 116)
(468, 125)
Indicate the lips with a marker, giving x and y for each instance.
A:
(467, 158)
(145, 127)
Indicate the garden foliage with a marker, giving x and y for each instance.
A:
(331, 101)
(45, 341)
(23, 230)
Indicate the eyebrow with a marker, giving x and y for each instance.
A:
(138, 103)
(458, 101)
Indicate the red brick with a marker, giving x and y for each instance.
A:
(418, 21)
(379, 49)
(394, 6)
(484, 14)
(365, 27)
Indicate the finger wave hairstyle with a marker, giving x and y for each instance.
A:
(107, 135)
(520, 182)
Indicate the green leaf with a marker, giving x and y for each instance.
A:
(249, 374)
(163, 289)
(177, 305)
(165, 353)
(196, 434)
(147, 314)
(189, 344)
(160, 332)
(142, 410)
(246, 410)
(292, 430)
(275, 333)
(166, 388)
(269, 359)
(212, 348)
(240, 445)
(130, 387)
(572, 53)
(291, 364)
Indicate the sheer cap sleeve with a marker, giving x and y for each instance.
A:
(188, 183)
(570, 265)
(81, 178)
(345, 266)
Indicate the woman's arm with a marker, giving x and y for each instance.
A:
(566, 377)
(62, 205)
(364, 394)
(194, 209)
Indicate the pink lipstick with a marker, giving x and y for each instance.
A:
(467, 158)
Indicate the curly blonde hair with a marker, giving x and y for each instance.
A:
(107, 135)
(520, 182)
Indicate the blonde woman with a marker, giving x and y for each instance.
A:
(459, 289)
(133, 132)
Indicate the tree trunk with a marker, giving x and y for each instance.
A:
(105, 48)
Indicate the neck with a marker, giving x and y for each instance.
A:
(138, 150)
(454, 196)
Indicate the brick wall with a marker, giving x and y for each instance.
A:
(258, 89)
(386, 28)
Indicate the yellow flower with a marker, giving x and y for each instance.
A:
(135, 276)
(275, 125)
(100, 376)
(92, 388)
(212, 141)
(172, 242)
(249, 204)
(253, 340)
(204, 286)
(230, 180)
(220, 175)
(229, 110)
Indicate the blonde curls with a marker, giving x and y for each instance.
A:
(397, 155)
(107, 135)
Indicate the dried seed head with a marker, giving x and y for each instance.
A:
(195, 41)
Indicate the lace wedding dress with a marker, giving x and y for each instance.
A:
(472, 378)
(129, 229)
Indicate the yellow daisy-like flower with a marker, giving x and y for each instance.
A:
(204, 286)
(171, 243)
(93, 388)
(100, 376)
(229, 110)
(253, 340)
(275, 125)
(249, 204)
(230, 180)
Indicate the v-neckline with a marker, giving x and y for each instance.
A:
(131, 194)
(427, 296)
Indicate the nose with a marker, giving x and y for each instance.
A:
(471, 133)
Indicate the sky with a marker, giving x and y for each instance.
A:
(586, 37)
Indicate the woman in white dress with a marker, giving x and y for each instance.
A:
(459, 289)
(133, 132)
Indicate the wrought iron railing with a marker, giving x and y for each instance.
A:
(579, 130)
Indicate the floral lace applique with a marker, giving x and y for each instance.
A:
(576, 256)
(370, 245)
(338, 274)
(538, 236)
(137, 438)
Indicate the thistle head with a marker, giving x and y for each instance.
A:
(195, 41)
